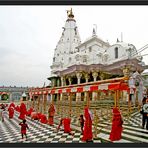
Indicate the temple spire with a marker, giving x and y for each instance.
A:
(94, 32)
(70, 13)
(118, 40)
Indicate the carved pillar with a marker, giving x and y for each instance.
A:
(79, 75)
(69, 79)
(58, 82)
(101, 75)
(53, 82)
(62, 80)
(94, 94)
(86, 75)
(95, 74)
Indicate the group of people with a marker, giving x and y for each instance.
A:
(85, 121)
(86, 125)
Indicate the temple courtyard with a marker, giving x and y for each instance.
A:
(43, 133)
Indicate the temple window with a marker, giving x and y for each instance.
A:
(77, 57)
(116, 52)
(54, 59)
(84, 59)
(70, 59)
(90, 49)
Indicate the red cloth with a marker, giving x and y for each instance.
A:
(50, 120)
(24, 126)
(11, 112)
(51, 112)
(39, 115)
(117, 122)
(30, 111)
(17, 108)
(12, 105)
(87, 133)
(35, 116)
(66, 123)
(23, 111)
(43, 119)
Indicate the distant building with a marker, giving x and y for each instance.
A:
(14, 93)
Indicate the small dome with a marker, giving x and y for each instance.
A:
(145, 72)
(24, 95)
(126, 45)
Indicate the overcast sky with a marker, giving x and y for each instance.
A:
(29, 35)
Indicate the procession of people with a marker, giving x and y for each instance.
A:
(85, 119)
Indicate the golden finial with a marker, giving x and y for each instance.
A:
(70, 13)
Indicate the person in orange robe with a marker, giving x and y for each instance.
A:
(51, 112)
(43, 119)
(11, 112)
(23, 111)
(87, 132)
(117, 122)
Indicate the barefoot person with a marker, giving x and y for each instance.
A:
(117, 122)
(66, 124)
(87, 133)
(81, 119)
(23, 110)
(51, 112)
(24, 127)
(11, 112)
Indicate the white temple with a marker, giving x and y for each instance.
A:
(75, 62)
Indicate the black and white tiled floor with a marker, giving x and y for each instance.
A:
(37, 133)
(42, 133)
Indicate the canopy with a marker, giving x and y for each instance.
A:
(101, 87)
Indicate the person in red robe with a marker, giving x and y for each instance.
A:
(24, 127)
(12, 105)
(87, 132)
(35, 116)
(51, 112)
(117, 123)
(17, 108)
(43, 119)
(23, 111)
(66, 124)
(11, 112)
(39, 115)
(30, 111)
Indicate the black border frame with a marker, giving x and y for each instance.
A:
(73, 2)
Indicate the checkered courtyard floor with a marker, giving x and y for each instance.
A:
(43, 133)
